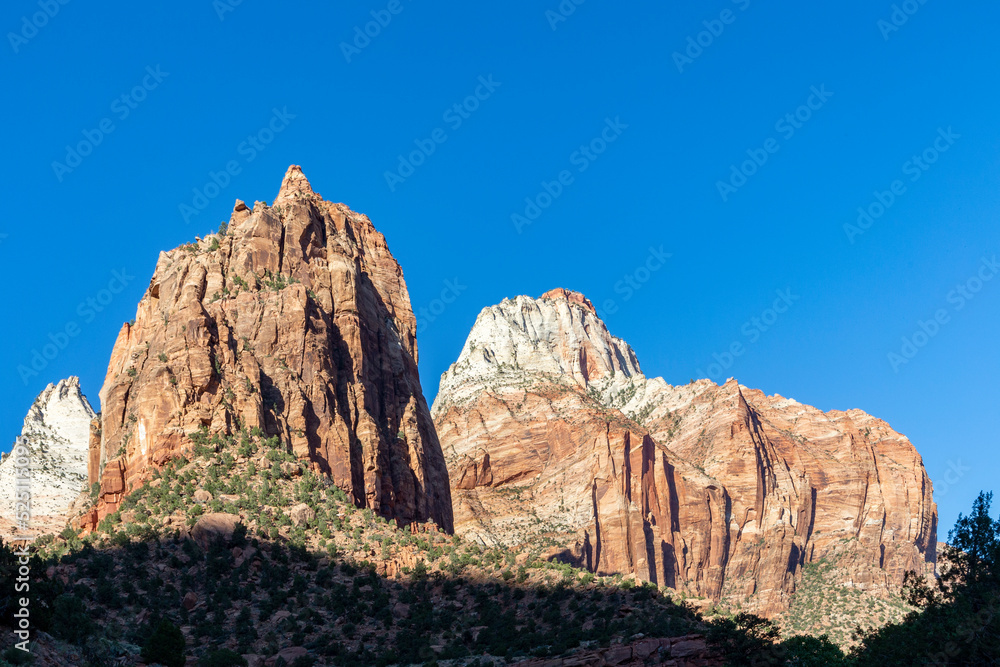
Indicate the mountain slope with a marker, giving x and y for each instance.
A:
(550, 430)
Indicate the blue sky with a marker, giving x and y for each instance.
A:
(640, 149)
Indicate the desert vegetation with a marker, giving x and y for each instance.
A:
(304, 568)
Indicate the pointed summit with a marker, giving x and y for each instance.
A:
(742, 407)
(56, 437)
(294, 184)
(557, 334)
(723, 492)
(571, 296)
(376, 443)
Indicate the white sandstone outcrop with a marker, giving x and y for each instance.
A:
(57, 434)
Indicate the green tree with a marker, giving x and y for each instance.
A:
(223, 658)
(959, 619)
(973, 546)
(70, 620)
(165, 645)
(805, 651)
(8, 570)
(746, 639)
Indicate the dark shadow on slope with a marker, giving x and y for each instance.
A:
(232, 592)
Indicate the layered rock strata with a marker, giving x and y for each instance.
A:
(549, 428)
(297, 322)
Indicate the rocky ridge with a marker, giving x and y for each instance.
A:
(551, 431)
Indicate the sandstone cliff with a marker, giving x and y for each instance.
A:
(296, 321)
(56, 433)
(550, 428)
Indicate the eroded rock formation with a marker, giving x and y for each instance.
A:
(549, 428)
(296, 321)
(56, 434)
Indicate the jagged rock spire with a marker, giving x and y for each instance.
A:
(333, 292)
(295, 184)
(240, 213)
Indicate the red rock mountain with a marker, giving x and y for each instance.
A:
(549, 428)
(296, 321)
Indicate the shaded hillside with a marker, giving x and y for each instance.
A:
(246, 549)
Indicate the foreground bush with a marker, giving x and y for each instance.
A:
(165, 646)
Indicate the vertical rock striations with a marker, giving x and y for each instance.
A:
(549, 428)
(297, 321)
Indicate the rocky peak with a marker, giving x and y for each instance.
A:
(558, 334)
(60, 412)
(719, 491)
(240, 213)
(571, 296)
(56, 432)
(294, 185)
(296, 322)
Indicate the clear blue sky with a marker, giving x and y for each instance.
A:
(675, 136)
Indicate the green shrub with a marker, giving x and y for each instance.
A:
(8, 570)
(746, 640)
(806, 651)
(223, 658)
(276, 281)
(165, 645)
(15, 656)
(70, 620)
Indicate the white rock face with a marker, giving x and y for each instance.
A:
(559, 335)
(57, 434)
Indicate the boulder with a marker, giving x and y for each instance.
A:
(214, 526)
(301, 514)
(289, 655)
